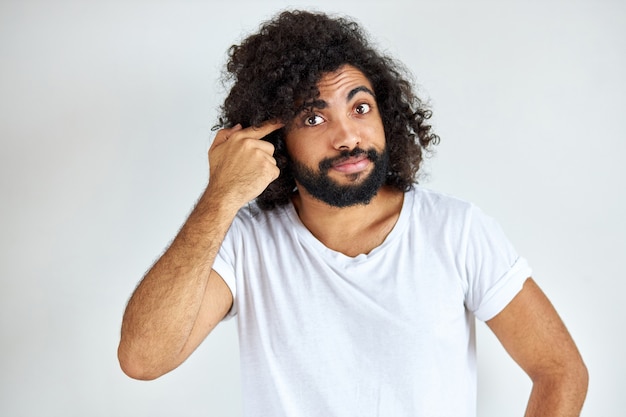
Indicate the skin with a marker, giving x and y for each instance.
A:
(345, 117)
(533, 334)
(181, 299)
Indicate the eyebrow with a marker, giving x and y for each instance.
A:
(358, 89)
(321, 104)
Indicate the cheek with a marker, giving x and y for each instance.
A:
(300, 149)
(376, 135)
(295, 150)
(303, 156)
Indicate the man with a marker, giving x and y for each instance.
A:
(355, 290)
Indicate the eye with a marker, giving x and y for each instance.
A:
(313, 120)
(362, 108)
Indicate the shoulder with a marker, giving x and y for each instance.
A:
(433, 203)
(446, 215)
(252, 217)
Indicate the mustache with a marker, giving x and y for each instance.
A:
(344, 155)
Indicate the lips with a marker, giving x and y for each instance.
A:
(351, 162)
(352, 165)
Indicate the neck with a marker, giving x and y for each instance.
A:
(351, 230)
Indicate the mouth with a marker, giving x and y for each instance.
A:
(352, 165)
(351, 162)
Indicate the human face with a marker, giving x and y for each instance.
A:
(337, 143)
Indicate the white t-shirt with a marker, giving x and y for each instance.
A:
(387, 334)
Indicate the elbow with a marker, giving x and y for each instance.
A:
(136, 368)
(137, 372)
(583, 377)
(577, 375)
(579, 384)
(571, 380)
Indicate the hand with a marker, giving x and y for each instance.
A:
(241, 165)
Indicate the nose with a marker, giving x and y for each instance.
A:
(345, 134)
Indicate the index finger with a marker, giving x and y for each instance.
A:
(264, 129)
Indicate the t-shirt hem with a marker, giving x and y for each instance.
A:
(225, 271)
(503, 293)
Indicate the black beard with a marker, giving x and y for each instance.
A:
(323, 188)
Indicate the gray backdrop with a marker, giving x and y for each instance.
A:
(105, 117)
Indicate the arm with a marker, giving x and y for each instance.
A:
(181, 299)
(531, 331)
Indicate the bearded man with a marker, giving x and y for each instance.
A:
(355, 290)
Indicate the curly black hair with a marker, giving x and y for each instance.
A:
(273, 70)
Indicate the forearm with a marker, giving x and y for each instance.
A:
(162, 325)
(162, 311)
(558, 396)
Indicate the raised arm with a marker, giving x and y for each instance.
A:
(181, 299)
(531, 331)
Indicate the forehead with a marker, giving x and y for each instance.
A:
(344, 78)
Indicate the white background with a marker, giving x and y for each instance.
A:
(105, 117)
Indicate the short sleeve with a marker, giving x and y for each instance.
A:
(494, 270)
(224, 264)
